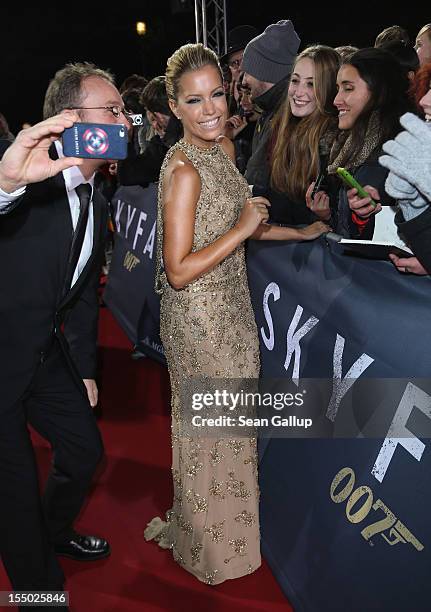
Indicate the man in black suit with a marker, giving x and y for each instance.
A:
(51, 240)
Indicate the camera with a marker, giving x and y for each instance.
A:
(137, 119)
(321, 183)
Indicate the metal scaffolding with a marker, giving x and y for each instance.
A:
(211, 26)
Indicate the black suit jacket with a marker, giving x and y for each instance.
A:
(35, 238)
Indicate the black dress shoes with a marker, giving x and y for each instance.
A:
(83, 548)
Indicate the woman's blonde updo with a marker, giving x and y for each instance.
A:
(192, 56)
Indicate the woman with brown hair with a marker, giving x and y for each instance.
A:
(305, 120)
(372, 95)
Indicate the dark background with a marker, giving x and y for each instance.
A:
(36, 41)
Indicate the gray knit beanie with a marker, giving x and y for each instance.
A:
(270, 56)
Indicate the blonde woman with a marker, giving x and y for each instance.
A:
(206, 212)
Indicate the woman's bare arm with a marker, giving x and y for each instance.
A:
(182, 190)
(267, 231)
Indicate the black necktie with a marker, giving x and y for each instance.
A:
(84, 195)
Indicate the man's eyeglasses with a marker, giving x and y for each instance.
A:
(115, 110)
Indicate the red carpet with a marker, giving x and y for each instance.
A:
(133, 486)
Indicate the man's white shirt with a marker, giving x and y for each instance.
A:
(72, 178)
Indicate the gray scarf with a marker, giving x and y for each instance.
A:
(342, 145)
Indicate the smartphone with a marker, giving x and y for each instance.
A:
(96, 141)
(320, 184)
(353, 183)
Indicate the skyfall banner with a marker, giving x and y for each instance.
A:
(130, 288)
(345, 523)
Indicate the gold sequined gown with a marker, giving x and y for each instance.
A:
(208, 330)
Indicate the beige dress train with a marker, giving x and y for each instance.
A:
(208, 330)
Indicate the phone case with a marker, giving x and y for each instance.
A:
(96, 141)
(353, 183)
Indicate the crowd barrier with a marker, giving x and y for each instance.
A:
(344, 522)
